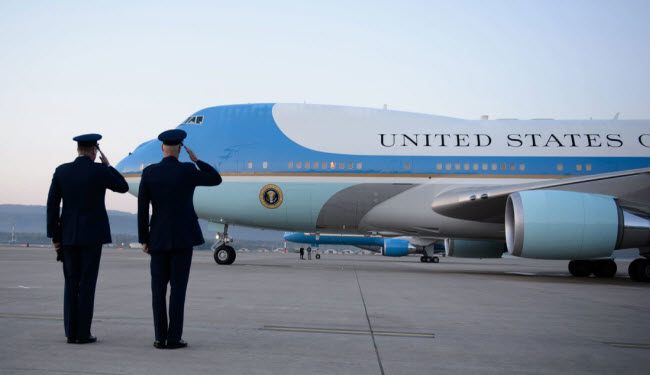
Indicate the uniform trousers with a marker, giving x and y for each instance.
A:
(169, 267)
(80, 268)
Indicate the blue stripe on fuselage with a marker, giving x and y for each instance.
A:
(233, 136)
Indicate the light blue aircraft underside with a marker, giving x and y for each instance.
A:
(548, 189)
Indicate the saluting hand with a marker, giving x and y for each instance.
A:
(191, 154)
(145, 248)
(103, 158)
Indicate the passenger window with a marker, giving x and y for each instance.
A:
(522, 166)
(438, 166)
(265, 164)
(407, 165)
(315, 164)
(588, 166)
(484, 166)
(560, 166)
(307, 165)
(350, 165)
(447, 166)
(503, 166)
(290, 165)
(513, 166)
(333, 165)
(466, 166)
(475, 166)
(298, 165)
(141, 166)
(359, 165)
(578, 167)
(494, 166)
(457, 166)
(250, 165)
(341, 165)
(324, 165)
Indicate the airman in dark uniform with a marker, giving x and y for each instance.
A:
(172, 232)
(81, 229)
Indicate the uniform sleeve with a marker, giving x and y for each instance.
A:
(143, 211)
(116, 182)
(206, 175)
(53, 214)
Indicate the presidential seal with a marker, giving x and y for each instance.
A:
(271, 196)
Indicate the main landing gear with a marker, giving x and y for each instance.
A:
(603, 268)
(428, 259)
(639, 270)
(223, 253)
(429, 256)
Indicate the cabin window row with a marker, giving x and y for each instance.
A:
(479, 166)
(579, 167)
(324, 165)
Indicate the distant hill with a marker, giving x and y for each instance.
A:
(31, 219)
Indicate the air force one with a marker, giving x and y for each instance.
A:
(545, 189)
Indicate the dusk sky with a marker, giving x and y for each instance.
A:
(131, 69)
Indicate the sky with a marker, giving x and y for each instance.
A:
(131, 69)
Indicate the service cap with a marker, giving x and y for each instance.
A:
(87, 140)
(172, 137)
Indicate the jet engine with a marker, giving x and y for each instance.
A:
(473, 249)
(549, 224)
(394, 247)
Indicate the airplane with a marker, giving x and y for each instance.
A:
(390, 247)
(575, 190)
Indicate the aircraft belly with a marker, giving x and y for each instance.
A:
(343, 211)
(410, 213)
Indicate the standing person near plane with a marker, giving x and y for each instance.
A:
(302, 253)
(173, 231)
(80, 230)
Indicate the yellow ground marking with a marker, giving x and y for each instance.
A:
(637, 346)
(19, 316)
(351, 332)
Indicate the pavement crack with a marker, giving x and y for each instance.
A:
(372, 333)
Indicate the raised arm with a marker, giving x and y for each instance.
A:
(206, 175)
(116, 182)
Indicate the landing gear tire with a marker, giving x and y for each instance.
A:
(435, 259)
(580, 268)
(317, 256)
(423, 259)
(225, 255)
(639, 270)
(604, 268)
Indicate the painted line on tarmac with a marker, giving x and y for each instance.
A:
(625, 345)
(19, 316)
(348, 332)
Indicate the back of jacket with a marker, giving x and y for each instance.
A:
(82, 186)
(169, 187)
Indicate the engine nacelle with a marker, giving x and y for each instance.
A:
(394, 247)
(473, 249)
(549, 224)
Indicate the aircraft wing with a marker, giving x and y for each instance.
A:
(486, 203)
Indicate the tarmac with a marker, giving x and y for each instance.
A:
(343, 314)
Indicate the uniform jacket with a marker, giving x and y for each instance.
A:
(169, 187)
(82, 185)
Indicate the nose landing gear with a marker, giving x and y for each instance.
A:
(224, 253)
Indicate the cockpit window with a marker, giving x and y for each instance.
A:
(193, 120)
